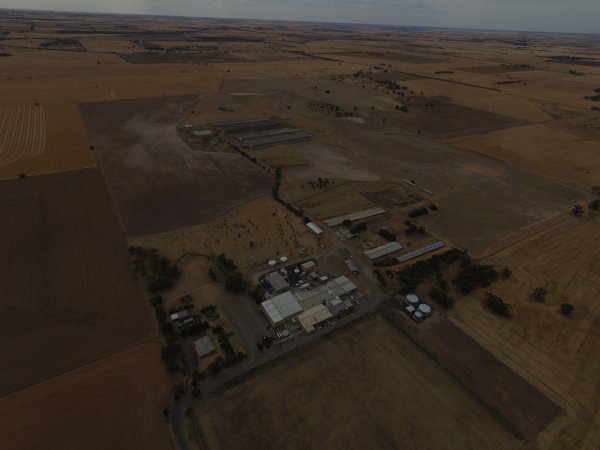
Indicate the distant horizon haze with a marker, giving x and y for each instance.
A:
(575, 16)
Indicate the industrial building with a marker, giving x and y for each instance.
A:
(307, 266)
(383, 250)
(422, 251)
(280, 308)
(337, 306)
(315, 228)
(329, 290)
(335, 221)
(313, 316)
(277, 282)
(204, 346)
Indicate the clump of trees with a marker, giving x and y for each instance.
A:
(356, 229)
(387, 234)
(472, 275)
(234, 280)
(415, 274)
(567, 309)
(496, 304)
(539, 294)
(441, 297)
(411, 228)
(158, 272)
(418, 212)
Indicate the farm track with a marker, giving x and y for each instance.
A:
(22, 133)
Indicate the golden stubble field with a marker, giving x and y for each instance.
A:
(557, 354)
(367, 386)
(36, 140)
(113, 403)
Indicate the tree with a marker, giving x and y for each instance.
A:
(347, 222)
(539, 294)
(496, 304)
(577, 210)
(594, 205)
(567, 309)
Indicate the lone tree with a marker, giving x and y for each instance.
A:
(577, 210)
(496, 304)
(594, 205)
(567, 309)
(539, 294)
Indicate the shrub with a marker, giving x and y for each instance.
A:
(496, 304)
(418, 212)
(567, 308)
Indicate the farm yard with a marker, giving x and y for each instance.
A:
(158, 182)
(314, 398)
(66, 278)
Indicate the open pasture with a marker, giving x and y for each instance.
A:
(158, 182)
(366, 386)
(67, 295)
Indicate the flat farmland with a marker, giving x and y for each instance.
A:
(554, 353)
(366, 386)
(158, 182)
(67, 295)
(542, 149)
(113, 403)
(37, 139)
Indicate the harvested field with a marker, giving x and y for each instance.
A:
(337, 201)
(545, 150)
(66, 278)
(22, 133)
(394, 57)
(339, 394)
(551, 351)
(158, 182)
(113, 403)
(37, 140)
(502, 68)
(442, 119)
(518, 404)
(194, 58)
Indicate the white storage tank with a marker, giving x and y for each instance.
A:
(424, 309)
(418, 317)
(283, 259)
(272, 262)
(411, 300)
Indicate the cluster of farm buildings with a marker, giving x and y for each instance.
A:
(301, 295)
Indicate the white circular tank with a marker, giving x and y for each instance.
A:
(411, 300)
(272, 262)
(418, 316)
(285, 333)
(424, 309)
(296, 270)
(283, 259)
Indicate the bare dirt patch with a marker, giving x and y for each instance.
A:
(67, 295)
(113, 403)
(367, 386)
(158, 182)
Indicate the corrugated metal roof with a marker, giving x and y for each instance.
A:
(351, 265)
(281, 307)
(421, 251)
(383, 250)
(277, 281)
(313, 316)
(204, 346)
(335, 221)
(315, 228)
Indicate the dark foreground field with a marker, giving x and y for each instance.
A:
(67, 295)
(158, 182)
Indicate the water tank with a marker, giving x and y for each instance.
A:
(283, 259)
(418, 316)
(424, 309)
(411, 300)
(272, 262)
(296, 270)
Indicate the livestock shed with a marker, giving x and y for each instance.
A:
(280, 308)
(383, 250)
(335, 221)
(277, 282)
(313, 316)
(315, 228)
(421, 251)
(204, 346)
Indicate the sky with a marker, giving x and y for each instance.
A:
(576, 16)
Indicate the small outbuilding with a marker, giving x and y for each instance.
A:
(204, 346)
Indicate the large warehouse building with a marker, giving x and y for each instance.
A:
(280, 308)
